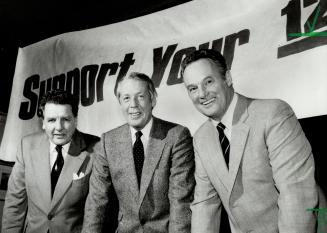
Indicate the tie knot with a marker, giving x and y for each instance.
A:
(138, 134)
(59, 148)
(221, 126)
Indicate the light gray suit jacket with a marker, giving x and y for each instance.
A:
(270, 183)
(162, 204)
(28, 205)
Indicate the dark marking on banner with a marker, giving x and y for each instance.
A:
(102, 75)
(173, 77)
(28, 108)
(88, 75)
(160, 60)
(125, 64)
(309, 38)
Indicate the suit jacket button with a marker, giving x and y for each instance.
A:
(50, 216)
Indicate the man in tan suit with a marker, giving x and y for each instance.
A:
(254, 165)
(48, 185)
(149, 163)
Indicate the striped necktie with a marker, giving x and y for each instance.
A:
(223, 142)
(224, 222)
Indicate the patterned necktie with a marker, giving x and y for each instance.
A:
(56, 169)
(138, 152)
(223, 142)
(224, 222)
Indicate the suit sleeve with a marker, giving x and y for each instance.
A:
(293, 172)
(181, 183)
(206, 204)
(99, 186)
(15, 207)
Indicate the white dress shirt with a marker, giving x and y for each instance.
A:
(145, 135)
(227, 119)
(54, 153)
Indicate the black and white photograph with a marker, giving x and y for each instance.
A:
(175, 116)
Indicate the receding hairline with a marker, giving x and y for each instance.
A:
(212, 63)
(130, 78)
(136, 76)
(209, 54)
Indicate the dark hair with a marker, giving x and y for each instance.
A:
(139, 76)
(211, 54)
(59, 97)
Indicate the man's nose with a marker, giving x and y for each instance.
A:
(202, 92)
(134, 102)
(59, 125)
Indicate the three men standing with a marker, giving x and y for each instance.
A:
(254, 165)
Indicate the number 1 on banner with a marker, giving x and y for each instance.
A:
(293, 21)
(310, 37)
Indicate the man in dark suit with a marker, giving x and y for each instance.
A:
(48, 185)
(254, 165)
(148, 162)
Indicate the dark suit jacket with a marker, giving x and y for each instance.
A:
(270, 183)
(162, 204)
(29, 187)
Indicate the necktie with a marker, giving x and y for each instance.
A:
(56, 169)
(223, 142)
(224, 222)
(138, 152)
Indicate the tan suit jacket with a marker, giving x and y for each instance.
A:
(162, 203)
(270, 183)
(28, 205)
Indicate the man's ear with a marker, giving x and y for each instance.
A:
(229, 80)
(153, 101)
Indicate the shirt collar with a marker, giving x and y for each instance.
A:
(227, 119)
(65, 147)
(145, 131)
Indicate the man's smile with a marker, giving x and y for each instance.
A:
(208, 102)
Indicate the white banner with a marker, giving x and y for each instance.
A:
(276, 49)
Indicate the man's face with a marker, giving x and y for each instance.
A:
(209, 91)
(59, 122)
(135, 102)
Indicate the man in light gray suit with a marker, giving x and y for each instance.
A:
(254, 165)
(148, 162)
(48, 185)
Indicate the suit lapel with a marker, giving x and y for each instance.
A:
(72, 164)
(239, 137)
(153, 155)
(125, 148)
(42, 169)
(213, 152)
